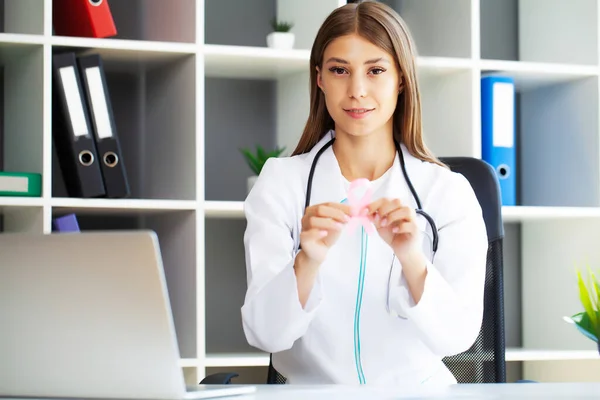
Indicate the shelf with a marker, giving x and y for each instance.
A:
(525, 213)
(125, 206)
(254, 62)
(259, 359)
(6, 201)
(123, 51)
(224, 209)
(237, 360)
(532, 75)
(245, 62)
(235, 209)
(516, 354)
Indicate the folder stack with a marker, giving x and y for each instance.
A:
(84, 130)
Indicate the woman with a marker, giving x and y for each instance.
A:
(337, 304)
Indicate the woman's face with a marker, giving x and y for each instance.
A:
(361, 83)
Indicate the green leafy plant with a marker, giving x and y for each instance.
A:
(588, 321)
(281, 26)
(257, 160)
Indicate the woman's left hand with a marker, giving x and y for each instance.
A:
(397, 226)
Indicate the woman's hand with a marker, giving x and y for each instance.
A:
(321, 227)
(397, 226)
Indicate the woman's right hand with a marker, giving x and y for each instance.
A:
(321, 227)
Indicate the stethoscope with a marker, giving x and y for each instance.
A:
(419, 210)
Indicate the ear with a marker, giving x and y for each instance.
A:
(319, 79)
(400, 86)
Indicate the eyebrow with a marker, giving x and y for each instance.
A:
(371, 61)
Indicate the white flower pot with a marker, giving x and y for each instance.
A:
(280, 40)
(250, 182)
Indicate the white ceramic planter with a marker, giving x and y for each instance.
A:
(280, 40)
(250, 182)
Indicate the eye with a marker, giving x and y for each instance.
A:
(377, 71)
(337, 70)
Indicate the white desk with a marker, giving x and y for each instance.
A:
(518, 391)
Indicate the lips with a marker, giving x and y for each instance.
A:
(358, 112)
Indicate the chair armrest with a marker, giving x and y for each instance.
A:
(221, 378)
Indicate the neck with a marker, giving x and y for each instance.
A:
(364, 157)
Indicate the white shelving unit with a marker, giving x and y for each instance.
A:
(192, 81)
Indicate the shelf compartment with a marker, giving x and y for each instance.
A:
(557, 144)
(22, 16)
(249, 25)
(225, 286)
(21, 216)
(21, 135)
(552, 251)
(253, 103)
(256, 359)
(154, 105)
(447, 104)
(439, 28)
(176, 232)
(153, 20)
(540, 31)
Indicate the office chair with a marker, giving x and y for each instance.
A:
(485, 361)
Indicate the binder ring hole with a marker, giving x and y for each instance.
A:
(111, 159)
(86, 158)
(95, 2)
(503, 171)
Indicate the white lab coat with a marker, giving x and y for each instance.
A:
(345, 334)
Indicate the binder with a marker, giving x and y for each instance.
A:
(103, 125)
(66, 223)
(71, 131)
(84, 18)
(26, 184)
(498, 132)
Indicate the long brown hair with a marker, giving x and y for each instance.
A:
(383, 27)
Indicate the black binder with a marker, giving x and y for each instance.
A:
(71, 130)
(103, 124)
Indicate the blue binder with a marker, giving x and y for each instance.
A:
(498, 132)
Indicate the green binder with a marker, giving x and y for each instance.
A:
(20, 184)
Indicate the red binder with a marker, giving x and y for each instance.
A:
(83, 18)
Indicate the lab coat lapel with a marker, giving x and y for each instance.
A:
(328, 184)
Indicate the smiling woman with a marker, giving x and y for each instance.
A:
(336, 304)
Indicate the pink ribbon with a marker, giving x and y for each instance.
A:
(358, 205)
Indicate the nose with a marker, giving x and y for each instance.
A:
(357, 86)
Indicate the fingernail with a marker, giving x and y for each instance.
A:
(323, 233)
(346, 218)
(384, 222)
(396, 230)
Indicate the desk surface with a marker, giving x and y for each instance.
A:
(513, 391)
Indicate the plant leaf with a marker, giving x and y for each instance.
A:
(584, 296)
(584, 325)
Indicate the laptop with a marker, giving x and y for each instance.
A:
(87, 315)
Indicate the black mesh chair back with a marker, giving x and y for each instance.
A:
(484, 362)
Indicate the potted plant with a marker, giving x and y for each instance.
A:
(257, 160)
(588, 321)
(281, 38)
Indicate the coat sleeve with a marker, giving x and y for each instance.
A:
(272, 316)
(450, 311)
